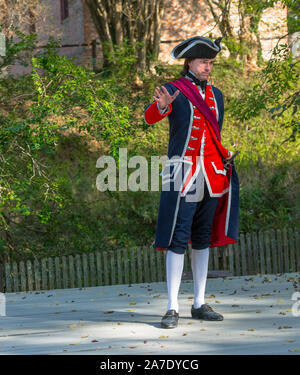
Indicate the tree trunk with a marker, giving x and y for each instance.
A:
(137, 22)
(220, 11)
(248, 36)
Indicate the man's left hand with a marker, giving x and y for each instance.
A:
(227, 163)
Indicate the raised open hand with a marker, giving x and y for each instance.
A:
(163, 97)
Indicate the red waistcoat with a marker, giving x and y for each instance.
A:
(203, 150)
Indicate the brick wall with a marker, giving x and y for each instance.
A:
(182, 19)
(70, 30)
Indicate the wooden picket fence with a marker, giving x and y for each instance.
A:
(267, 252)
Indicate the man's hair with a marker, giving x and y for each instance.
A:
(186, 66)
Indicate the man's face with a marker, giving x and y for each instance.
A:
(201, 68)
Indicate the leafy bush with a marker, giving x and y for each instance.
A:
(57, 121)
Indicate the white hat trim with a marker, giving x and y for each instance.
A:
(192, 45)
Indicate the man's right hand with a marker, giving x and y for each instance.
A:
(163, 97)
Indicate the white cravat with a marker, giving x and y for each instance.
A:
(199, 87)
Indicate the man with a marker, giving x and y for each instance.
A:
(199, 197)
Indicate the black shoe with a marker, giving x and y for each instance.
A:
(170, 319)
(205, 312)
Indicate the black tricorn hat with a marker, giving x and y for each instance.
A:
(197, 47)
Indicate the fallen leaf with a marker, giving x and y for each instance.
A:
(132, 303)
(73, 310)
(122, 294)
(163, 337)
(260, 297)
(84, 337)
(280, 300)
(202, 329)
(72, 326)
(108, 312)
(77, 343)
(217, 302)
(251, 329)
(145, 342)
(282, 313)
(289, 340)
(119, 323)
(94, 341)
(131, 347)
(281, 327)
(190, 323)
(235, 305)
(184, 334)
(57, 312)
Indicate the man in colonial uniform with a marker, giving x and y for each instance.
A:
(200, 189)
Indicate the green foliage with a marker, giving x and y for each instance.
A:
(57, 121)
(18, 51)
(64, 85)
(275, 89)
(63, 97)
(293, 14)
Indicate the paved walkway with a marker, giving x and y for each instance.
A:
(122, 319)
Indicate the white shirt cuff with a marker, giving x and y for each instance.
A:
(164, 110)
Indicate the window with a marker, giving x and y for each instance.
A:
(64, 9)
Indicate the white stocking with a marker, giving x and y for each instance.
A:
(174, 266)
(199, 268)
